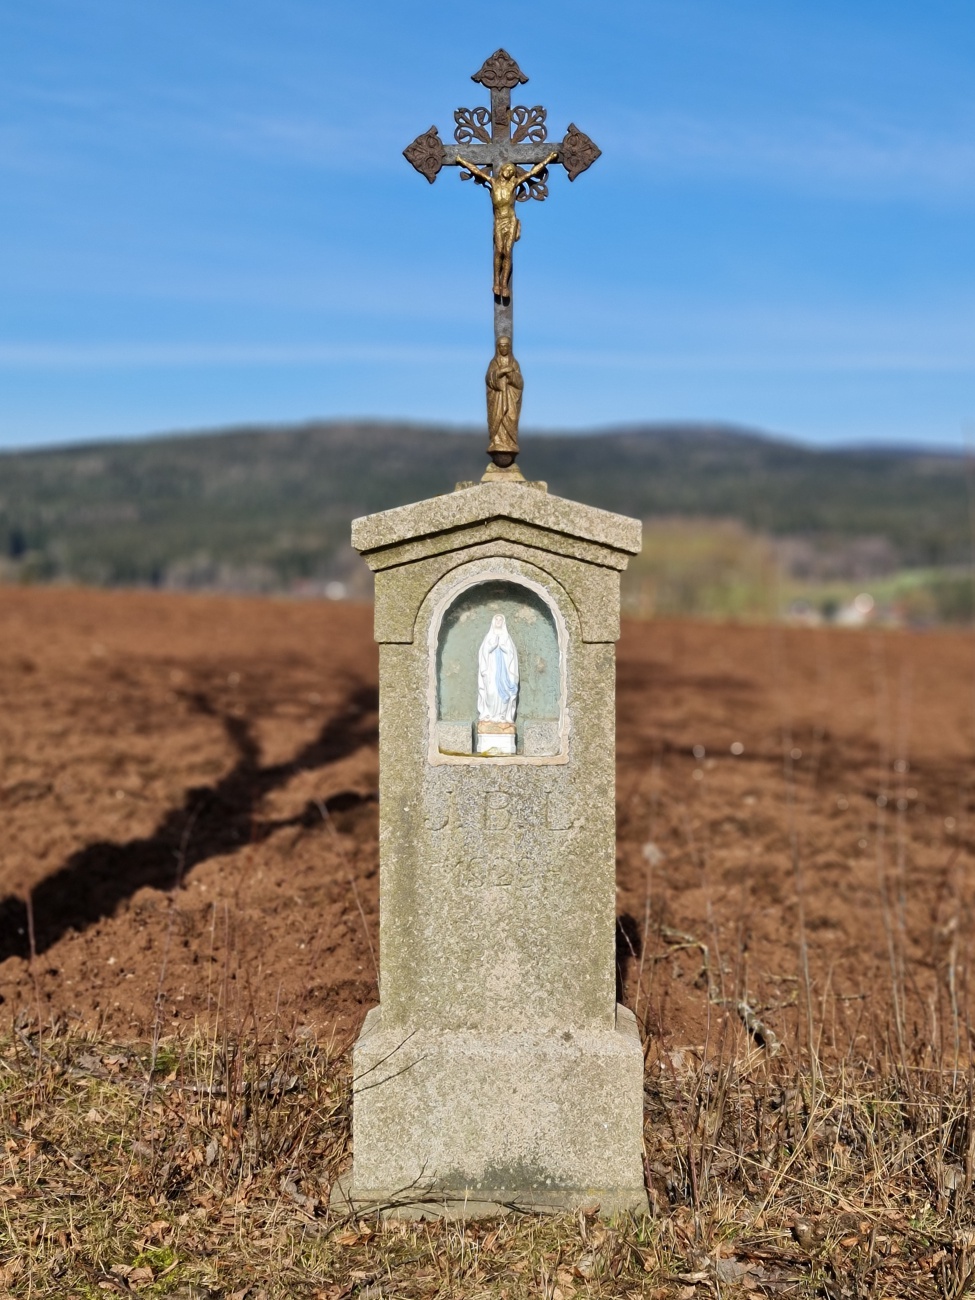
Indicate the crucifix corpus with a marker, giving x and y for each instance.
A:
(507, 150)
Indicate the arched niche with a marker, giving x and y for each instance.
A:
(538, 630)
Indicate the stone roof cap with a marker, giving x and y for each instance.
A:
(487, 501)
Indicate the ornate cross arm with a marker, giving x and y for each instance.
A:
(501, 133)
(506, 150)
(428, 153)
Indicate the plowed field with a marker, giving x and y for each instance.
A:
(189, 816)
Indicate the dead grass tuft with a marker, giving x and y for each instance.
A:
(202, 1169)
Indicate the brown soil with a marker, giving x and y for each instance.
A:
(188, 790)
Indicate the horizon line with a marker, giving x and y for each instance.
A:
(692, 427)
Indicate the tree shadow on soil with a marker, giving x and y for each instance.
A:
(211, 821)
(629, 945)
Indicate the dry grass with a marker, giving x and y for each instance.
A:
(202, 1168)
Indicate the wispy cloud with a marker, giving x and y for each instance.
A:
(366, 144)
(850, 153)
(849, 149)
(124, 356)
(761, 362)
(856, 156)
(19, 153)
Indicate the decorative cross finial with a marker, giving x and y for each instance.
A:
(506, 150)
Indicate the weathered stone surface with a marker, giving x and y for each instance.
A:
(454, 737)
(531, 1117)
(487, 501)
(499, 1066)
(541, 738)
(593, 590)
(581, 548)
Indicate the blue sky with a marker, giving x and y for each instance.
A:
(206, 218)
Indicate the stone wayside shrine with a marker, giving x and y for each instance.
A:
(498, 1069)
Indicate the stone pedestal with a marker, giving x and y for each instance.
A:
(498, 1069)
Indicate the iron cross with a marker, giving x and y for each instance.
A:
(485, 141)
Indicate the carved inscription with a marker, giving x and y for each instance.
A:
(438, 818)
(500, 811)
(497, 812)
(516, 834)
(499, 872)
(493, 873)
(557, 815)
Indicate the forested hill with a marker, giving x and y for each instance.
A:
(270, 506)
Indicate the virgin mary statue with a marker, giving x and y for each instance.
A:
(497, 675)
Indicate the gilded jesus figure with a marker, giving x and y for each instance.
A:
(507, 227)
(504, 389)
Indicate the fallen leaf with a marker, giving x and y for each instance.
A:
(930, 1262)
(350, 1238)
(583, 1266)
(729, 1270)
(10, 1271)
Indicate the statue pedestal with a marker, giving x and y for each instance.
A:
(498, 1069)
(496, 738)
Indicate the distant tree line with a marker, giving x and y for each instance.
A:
(268, 508)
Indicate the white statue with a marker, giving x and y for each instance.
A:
(497, 689)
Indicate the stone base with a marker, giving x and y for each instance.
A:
(489, 1203)
(498, 474)
(463, 1124)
